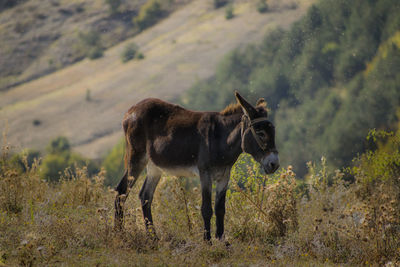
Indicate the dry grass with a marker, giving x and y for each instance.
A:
(274, 220)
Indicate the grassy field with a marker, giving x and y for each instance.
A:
(183, 48)
(332, 218)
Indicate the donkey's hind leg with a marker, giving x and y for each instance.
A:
(135, 167)
(146, 194)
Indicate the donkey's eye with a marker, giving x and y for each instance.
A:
(262, 134)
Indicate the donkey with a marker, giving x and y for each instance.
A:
(168, 138)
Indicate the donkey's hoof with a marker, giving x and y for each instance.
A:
(208, 242)
(153, 236)
(118, 226)
(118, 229)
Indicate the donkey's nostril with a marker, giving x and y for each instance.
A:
(273, 166)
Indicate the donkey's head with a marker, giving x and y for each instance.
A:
(258, 134)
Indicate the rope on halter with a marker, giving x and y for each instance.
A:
(262, 145)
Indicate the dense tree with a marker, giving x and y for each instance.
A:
(328, 79)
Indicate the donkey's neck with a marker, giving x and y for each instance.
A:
(232, 123)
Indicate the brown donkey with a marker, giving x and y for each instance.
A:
(168, 138)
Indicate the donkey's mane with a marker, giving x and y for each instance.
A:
(231, 109)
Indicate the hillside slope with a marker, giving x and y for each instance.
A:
(182, 49)
(47, 35)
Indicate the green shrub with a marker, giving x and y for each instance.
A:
(25, 160)
(140, 56)
(265, 207)
(95, 52)
(130, 52)
(114, 164)
(113, 5)
(88, 96)
(382, 164)
(91, 45)
(262, 6)
(60, 157)
(220, 3)
(149, 14)
(58, 145)
(229, 12)
(53, 165)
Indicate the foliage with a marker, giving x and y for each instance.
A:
(113, 5)
(269, 208)
(352, 223)
(25, 159)
(58, 145)
(269, 219)
(262, 6)
(130, 52)
(5, 4)
(91, 44)
(60, 157)
(330, 78)
(229, 12)
(114, 164)
(149, 14)
(88, 96)
(220, 3)
(382, 164)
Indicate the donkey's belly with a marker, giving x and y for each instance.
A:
(185, 171)
(179, 171)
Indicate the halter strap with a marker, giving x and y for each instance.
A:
(262, 145)
(252, 122)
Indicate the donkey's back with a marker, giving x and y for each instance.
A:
(162, 134)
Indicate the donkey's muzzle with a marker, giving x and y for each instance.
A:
(270, 163)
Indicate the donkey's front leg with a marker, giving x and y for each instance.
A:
(222, 185)
(206, 209)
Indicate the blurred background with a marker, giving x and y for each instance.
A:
(329, 71)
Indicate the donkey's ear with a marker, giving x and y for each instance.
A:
(261, 103)
(262, 106)
(248, 109)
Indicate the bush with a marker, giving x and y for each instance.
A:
(220, 3)
(113, 5)
(270, 219)
(91, 45)
(130, 52)
(19, 184)
(95, 52)
(140, 56)
(149, 14)
(262, 6)
(60, 157)
(58, 145)
(357, 222)
(114, 164)
(264, 207)
(26, 159)
(53, 166)
(229, 12)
